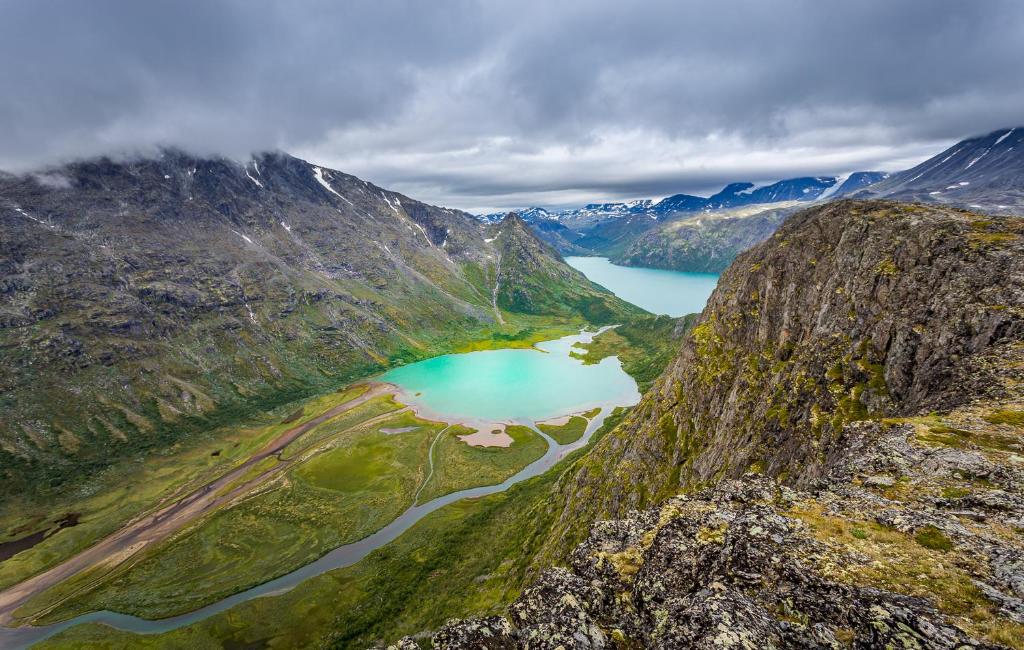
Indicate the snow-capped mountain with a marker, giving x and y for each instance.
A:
(733, 195)
(985, 173)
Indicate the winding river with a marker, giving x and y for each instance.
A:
(520, 386)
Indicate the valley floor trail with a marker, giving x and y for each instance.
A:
(157, 526)
(343, 556)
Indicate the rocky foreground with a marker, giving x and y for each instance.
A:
(834, 460)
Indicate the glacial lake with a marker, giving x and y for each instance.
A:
(522, 386)
(675, 293)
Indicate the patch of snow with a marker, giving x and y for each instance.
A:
(167, 176)
(392, 205)
(429, 243)
(37, 220)
(252, 316)
(1003, 137)
(832, 189)
(490, 240)
(286, 226)
(318, 173)
(975, 205)
(242, 236)
(984, 153)
(964, 183)
(934, 193)
(253, 179)
(950, 156)
(806, 190)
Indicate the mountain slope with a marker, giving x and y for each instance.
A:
(985, 173)
(707, 242)
(143, 300)
(532, 278)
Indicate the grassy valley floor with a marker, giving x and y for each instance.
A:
(336, 483)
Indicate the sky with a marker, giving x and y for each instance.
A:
(488, 105)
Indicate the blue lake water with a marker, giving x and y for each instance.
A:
(514, 385)
(675, 293)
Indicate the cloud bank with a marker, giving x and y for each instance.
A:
(483, 105)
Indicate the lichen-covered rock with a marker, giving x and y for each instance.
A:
(490, 633)
(743, 565)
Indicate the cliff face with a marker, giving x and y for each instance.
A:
(835, 455)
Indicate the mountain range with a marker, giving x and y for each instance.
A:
(692, 233)
(731, 196)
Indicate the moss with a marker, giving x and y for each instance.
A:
(1012, 418)
(932, 538)
(859, 533)
(887, 268)
(954, 492)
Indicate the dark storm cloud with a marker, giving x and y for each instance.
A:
(481, 104)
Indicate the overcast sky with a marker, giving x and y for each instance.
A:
(486, 105)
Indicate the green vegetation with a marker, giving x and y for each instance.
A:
(123, 491)
(360, 483)
(644, 345)
(459, 465)
(527, 337)
(1012, 418)
(368, 410)
(566, 433)
(933, 538)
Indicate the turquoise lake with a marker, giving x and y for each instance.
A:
(675, 293)
(514, 385)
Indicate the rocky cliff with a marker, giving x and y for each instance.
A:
(834, 459)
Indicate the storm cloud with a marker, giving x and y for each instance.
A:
(484, 105)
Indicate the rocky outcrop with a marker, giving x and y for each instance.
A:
(875, 557)
(851, 311)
